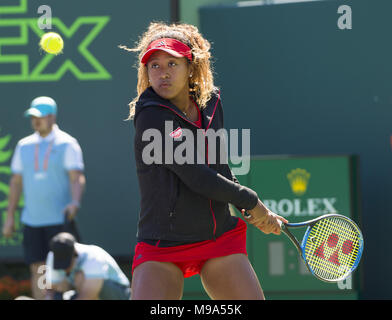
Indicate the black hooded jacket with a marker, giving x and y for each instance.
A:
(183, 202)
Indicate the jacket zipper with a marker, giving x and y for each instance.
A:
(206, 140)
(208, 163)
(212, 211)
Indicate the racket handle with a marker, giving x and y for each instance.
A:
(247, 215)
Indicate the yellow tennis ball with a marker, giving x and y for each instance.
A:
(52, 43)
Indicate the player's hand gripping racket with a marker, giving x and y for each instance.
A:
(331, 246)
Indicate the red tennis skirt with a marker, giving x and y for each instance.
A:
(190, 258)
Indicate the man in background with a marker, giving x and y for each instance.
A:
(47, 167)
(83, 272)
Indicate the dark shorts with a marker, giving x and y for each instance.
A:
(36, 240)
(190, 258)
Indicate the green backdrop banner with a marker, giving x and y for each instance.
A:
(299, 189)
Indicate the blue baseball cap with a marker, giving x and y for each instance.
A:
(41, 107)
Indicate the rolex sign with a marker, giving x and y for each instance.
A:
(299, 188)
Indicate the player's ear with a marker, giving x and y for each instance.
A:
(191, 70)
(52, 118)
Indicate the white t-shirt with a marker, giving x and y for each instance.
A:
(93, 261)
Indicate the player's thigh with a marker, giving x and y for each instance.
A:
(37, 268)
(157, 280)
(230, 278)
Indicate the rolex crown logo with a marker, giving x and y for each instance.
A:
(298, 179)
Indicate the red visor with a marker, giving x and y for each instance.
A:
(171, 46)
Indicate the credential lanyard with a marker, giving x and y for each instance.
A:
(46, 158)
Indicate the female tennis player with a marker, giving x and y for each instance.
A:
(185, 226)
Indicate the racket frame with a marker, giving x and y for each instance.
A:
(310, 224)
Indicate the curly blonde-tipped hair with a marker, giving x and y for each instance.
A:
(202, 82)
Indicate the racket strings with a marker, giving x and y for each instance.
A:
(340, 255)
(332, 248)
(345, 230)
(336, 264)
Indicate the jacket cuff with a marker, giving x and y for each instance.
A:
(250, 198)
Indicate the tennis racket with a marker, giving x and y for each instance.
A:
(331, 247)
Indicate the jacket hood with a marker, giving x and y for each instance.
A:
(150, 98)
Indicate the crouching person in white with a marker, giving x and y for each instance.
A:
(77, 271)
